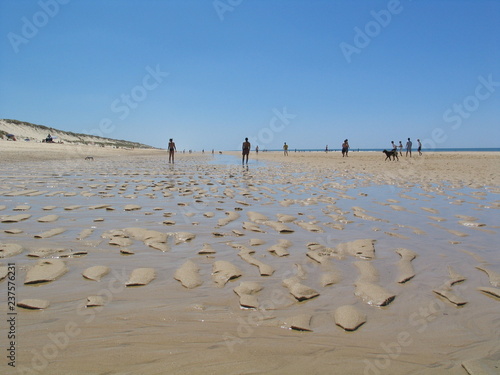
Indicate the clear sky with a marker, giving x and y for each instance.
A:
(209, 73)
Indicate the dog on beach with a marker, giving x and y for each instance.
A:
(392, 153)
(89, 158)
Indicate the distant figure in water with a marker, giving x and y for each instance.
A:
(171, 150)
(408, 147)
(285, 149)
(245, 149)
(419, 147)
(345, 148)
(256, 149)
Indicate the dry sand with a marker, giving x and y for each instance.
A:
(305, 264)
(470, 168)
(21, 151)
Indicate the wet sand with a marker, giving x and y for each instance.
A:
(305, 264)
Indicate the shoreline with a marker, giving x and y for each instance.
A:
(474, 168)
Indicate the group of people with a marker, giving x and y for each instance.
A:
(409, 145)
(245, 148)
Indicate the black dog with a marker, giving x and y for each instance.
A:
(392, 153)
(89, 158)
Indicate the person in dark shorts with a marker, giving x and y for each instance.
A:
(345, 148)
(171, 150)
(245, 148)
(419, 147)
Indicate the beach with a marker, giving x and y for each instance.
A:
(309, 263)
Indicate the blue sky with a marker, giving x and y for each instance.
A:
(210, 73)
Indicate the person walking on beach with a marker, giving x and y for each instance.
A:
(257, 150)
(400, 148)
(245, 148)
(285, 149)
(394, 146)
(171, 150)
(419, 147)
(326, 148)
(408, 147)
(345, 148)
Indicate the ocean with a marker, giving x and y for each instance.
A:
(491, 149)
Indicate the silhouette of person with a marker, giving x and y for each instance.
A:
(408, 147)
(245, 148)
(171, 150)
(345, 148)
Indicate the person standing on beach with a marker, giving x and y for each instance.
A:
(285, 149)
(326, 148)
(245, 148)
(419, 147)
(171, 150)
(345, 148)
(400, 148)
(257, 149)
(408, 147)
(394, 146)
